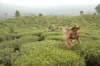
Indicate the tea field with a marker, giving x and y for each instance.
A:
(38, 46)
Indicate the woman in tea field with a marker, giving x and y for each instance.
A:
(72, 35)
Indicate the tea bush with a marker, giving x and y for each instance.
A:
(55, 38)
(47, 54)
(90, 51)
(51, 33)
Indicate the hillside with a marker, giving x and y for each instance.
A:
(41, 47)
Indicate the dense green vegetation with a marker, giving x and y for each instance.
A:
(38, 46)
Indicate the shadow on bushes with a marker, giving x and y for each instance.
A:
(91, 53)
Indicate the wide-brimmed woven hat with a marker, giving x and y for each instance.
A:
(76, 26)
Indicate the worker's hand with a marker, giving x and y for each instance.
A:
(80, 43)
(72, 44)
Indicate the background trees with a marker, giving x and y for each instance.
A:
(17, 13)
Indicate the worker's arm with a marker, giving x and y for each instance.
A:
(68, 39)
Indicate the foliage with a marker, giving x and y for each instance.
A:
(97, 8)
(17, 14)
(40, 14)
(59, 38)
(11, 29)
(81, 12)
(38, 45)
(49, 55)
(90, 51)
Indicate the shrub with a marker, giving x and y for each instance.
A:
(92, 54)
(2, 38)
(34, 33)
(53, 58)
(51, 33)
(29, 38)
(46, 53)
(55, 38)
(8, 36)
(11, 29)
(90, 51)
(7, 47)
(1, 61)
(1, 65)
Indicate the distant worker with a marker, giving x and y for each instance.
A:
(72, 35)
(64, 30)
(52, 27)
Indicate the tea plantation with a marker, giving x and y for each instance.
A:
(27, 41)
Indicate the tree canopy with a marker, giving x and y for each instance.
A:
(40, 14)
(97, 8)
(17, 14)
(81, 12)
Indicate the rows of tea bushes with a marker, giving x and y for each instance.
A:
(41, 47)
(47, 53)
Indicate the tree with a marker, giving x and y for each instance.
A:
(40, 14)
(5, 14)
(81, 12)
(94, 13)
(17, 14)
(97, 8)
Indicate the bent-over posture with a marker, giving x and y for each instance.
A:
(72, 35)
